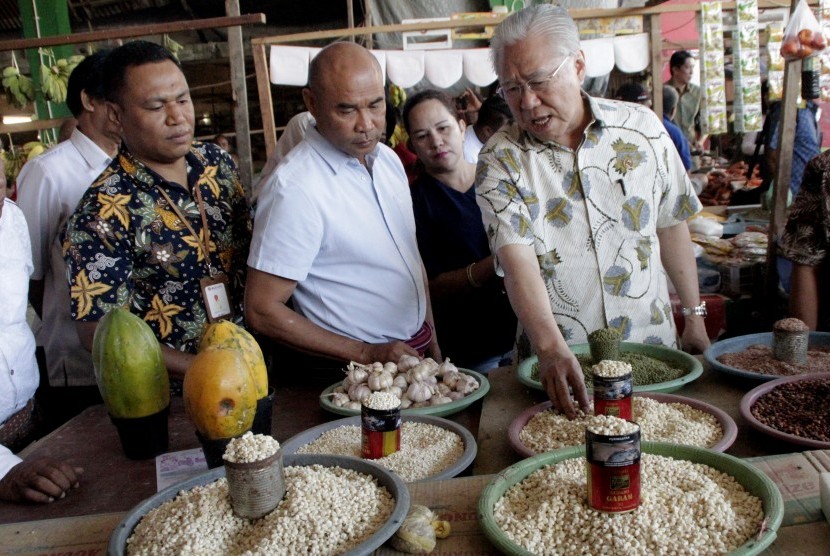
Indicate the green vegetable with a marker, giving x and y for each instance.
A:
(645, 369)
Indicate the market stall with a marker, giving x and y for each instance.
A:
(113, 484)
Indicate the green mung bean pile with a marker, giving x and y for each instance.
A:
(644, 369)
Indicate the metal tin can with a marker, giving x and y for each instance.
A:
(257, 487)
(613, 469)
(612, 396)
(790, 346)
(380, 431)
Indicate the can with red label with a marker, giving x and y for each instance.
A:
(380, 431)
(613, 469)
(612, 395)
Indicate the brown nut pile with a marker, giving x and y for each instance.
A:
(797, 408)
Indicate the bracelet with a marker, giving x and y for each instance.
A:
(470, 278)
(699, 311)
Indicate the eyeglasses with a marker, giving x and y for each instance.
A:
(514, 90)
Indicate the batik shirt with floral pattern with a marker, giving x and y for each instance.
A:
(591, 216)
(124, 246)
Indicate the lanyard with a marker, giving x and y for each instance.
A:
(205, 242)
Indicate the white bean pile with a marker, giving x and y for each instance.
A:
(608, 425)
(677, 423)
(250, 447)
(382, 401)
(687, 509)
(426, 450)
(611, 369)
(326, 510)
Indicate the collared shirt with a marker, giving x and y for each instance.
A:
(679, 141)
(475, 324)
(591, 216)
(472, 145)
(18, 368)
(49, 188)
(346, 235)
(806, 142)
(688, 106)
(124, 245)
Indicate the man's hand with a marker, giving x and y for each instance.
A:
(388, 352)
(560, 374)
(41, 479)
(694, 339)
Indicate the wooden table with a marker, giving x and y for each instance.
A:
(113, 484)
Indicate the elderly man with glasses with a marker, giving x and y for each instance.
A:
(585, 204)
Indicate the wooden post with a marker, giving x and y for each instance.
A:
(266, 105)
(656, 43)
(239, 89)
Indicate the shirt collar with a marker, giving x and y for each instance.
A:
(334, 157)
(596, 108)
(194, 159)
(94, 155)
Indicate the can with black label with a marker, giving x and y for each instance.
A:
(613, 469)
(380, 431)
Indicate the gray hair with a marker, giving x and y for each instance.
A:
(670, 98)
(538, 20)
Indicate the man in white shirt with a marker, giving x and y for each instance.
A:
(37, 479)
(49, 188)
(335, 230)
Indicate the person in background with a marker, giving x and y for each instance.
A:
(633, 92)
(670, 99)
(492, 115)
(68, 125)
(335, 234)
(225, 144)
(291, 136)
(585, 204)
(165, 229)
(478, 327)
(805, 243)
(467, 105)
(36, 479)
(687, 117)
(50, 187)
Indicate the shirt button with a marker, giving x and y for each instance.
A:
(11, 371)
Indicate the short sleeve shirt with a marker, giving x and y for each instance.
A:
(591, 216)
(346, 234)
(125, 246)
(688, 107)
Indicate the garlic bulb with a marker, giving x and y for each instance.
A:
(451, 378)
(339, 399)
(446, 367)
(359, 392)
(431, 364)
(455, 396)
(400, 381)
(406, 362)
(378, 380)
(419, 391)
(421, 371)
(377, 366)
(439, 400)
(352, 405)
(405, 402)
(394, 390)
(357, 375)
(442, 389)
(466, 384)
(390, 368)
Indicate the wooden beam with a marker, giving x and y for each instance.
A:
(266, 105)
(34, 125)
(239, 88)
(656, 44)
(135, 31)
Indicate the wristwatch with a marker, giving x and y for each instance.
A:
(699, 311)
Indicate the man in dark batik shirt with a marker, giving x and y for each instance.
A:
(164, 231)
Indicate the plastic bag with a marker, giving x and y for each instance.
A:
(803, 36)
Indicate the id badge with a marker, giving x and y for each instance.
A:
(216, 298)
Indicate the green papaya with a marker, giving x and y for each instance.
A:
(129, 367)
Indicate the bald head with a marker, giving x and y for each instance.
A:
(337, 61)
(346, 97)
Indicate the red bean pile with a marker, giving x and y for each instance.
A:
(797, 408)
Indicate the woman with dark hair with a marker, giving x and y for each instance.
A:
(472, 312)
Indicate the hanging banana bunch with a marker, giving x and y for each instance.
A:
(54, 77)
(14, 159)
(19, 89)
(397, 96)
(172, 46)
